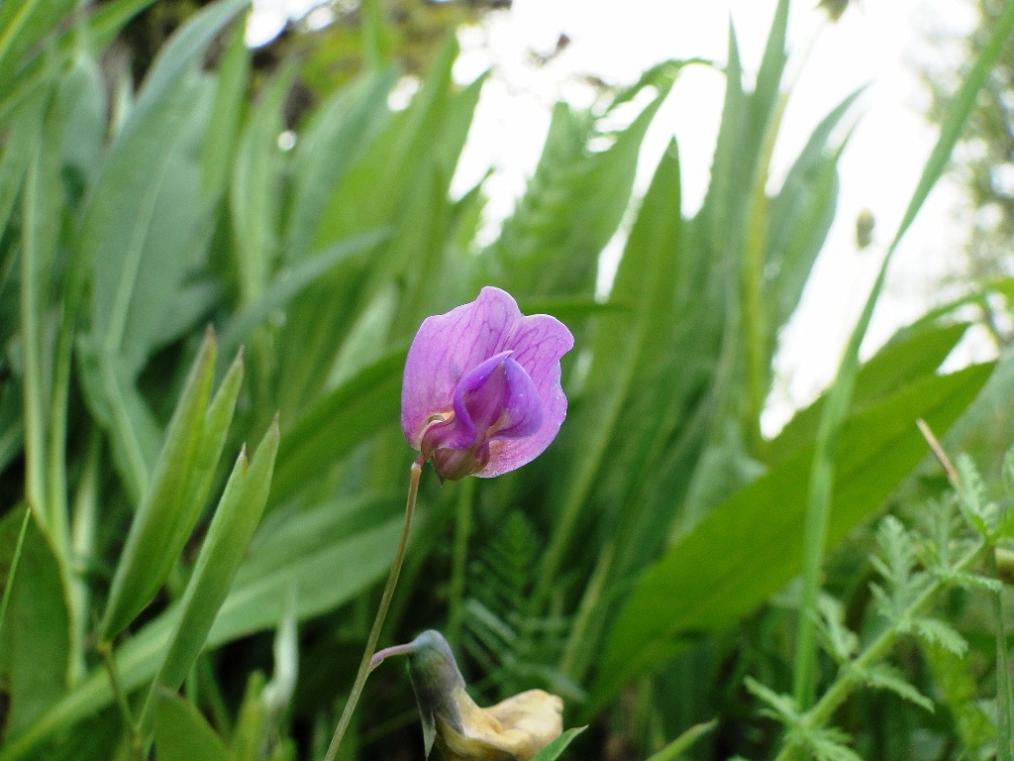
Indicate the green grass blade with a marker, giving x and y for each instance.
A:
(216, 427)
(22, 25)
(681, 744)
(822, 474)
(34, 266)
(150, 548)
(238, 513)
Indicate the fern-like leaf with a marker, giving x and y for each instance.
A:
(936, 632)
(838, 640)
(886, 677)
(513, 648)
(779, 706)
(982, 514)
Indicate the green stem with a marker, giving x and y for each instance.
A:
(35, 450)
(378, 621)
(105, 650)
(846, 682)
(1005, 745)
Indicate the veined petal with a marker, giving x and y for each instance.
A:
(445, 348)
(537, 345)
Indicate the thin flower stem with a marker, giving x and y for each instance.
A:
(378, 622)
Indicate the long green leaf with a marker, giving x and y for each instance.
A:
(681, 744)
(238, 513)
(153, 543)
(750, 546)
(252, 197)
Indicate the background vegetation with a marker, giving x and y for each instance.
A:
(662, 566)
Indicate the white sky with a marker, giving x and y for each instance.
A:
(879, 42)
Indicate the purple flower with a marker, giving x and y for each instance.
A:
(481, 393)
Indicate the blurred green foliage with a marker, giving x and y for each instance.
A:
(641, 568)
(985, 167)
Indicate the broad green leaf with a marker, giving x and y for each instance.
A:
(238, 513)
(182, 734)
(799, 218)
(35, 637)
(556, 748)
(750, 546)
(139, 227)
(153, 542)
(341, 420)
(115, 403)
(82, 98)
(18, 151)
(395, 159)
